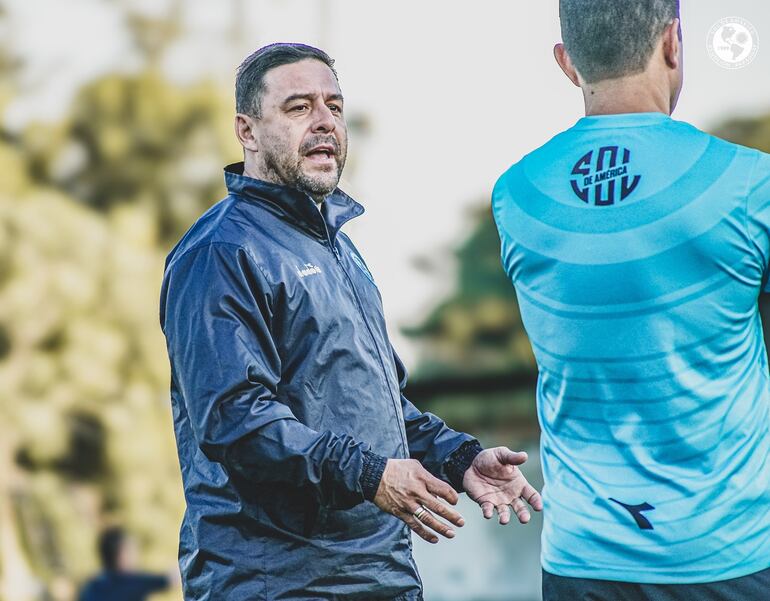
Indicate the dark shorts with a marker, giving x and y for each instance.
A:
(754, 587)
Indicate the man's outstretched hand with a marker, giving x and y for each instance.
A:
(495, 482)
(407, 487)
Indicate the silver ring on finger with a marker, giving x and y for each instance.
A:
(419, 512)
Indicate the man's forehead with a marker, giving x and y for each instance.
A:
(305, 76)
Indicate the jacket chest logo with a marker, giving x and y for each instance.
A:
(360, 264)
(308, 269)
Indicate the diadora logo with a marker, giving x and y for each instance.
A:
(308, 269)
(605, 172)
(636, 513)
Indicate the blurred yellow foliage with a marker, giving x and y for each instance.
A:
(78, 314)
(88, 209)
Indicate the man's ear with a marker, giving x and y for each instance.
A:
(565, 62)
(245, 126)
(672, 44)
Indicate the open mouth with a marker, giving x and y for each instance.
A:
(322, 153)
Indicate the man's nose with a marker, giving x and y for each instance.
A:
(323, 119)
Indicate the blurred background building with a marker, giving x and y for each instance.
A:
(116, 122)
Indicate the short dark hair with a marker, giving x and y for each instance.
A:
(111, 541)
(607, 39)
(250, 78)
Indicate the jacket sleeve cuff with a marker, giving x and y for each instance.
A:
(374, 466)
(459, 461)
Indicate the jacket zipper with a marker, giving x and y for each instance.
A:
(336, 253)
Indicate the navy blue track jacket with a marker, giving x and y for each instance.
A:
(286, 396)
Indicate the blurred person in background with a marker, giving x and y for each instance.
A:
(120, 580)
(304, 465)
(638, 246)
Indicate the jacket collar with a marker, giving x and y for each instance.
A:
(294, 205)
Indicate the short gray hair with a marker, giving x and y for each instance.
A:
(607, 39)
(250, 78)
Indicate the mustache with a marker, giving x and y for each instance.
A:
(314, 141)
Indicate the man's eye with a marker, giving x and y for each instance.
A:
(299, 108)
(335, 109)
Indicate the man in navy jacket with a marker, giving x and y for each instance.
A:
(304, 466)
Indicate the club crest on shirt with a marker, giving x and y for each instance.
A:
(360, 264)
(601, 176)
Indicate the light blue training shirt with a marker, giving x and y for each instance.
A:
(638, 246)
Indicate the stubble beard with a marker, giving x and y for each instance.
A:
(283, 166)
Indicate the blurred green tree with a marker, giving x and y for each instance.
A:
(478, 328)
(749, 131)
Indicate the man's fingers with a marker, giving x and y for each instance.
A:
(505, 455)
(432, 522)
(441, 489)
(504, 514)
(487, 510)
(418, 528)
(520, 507)
(445, 512)
(532, 497)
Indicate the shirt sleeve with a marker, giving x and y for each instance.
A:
(440, 449)
(216, 315)
(758, 213)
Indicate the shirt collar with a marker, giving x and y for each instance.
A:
(621, 120)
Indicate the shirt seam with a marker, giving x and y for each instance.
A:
(746, 197)
(623, 126)
(260, 269)
(208, 243)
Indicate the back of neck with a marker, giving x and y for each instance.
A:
(633, 94)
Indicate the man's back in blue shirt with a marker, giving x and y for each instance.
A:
(638, 246)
